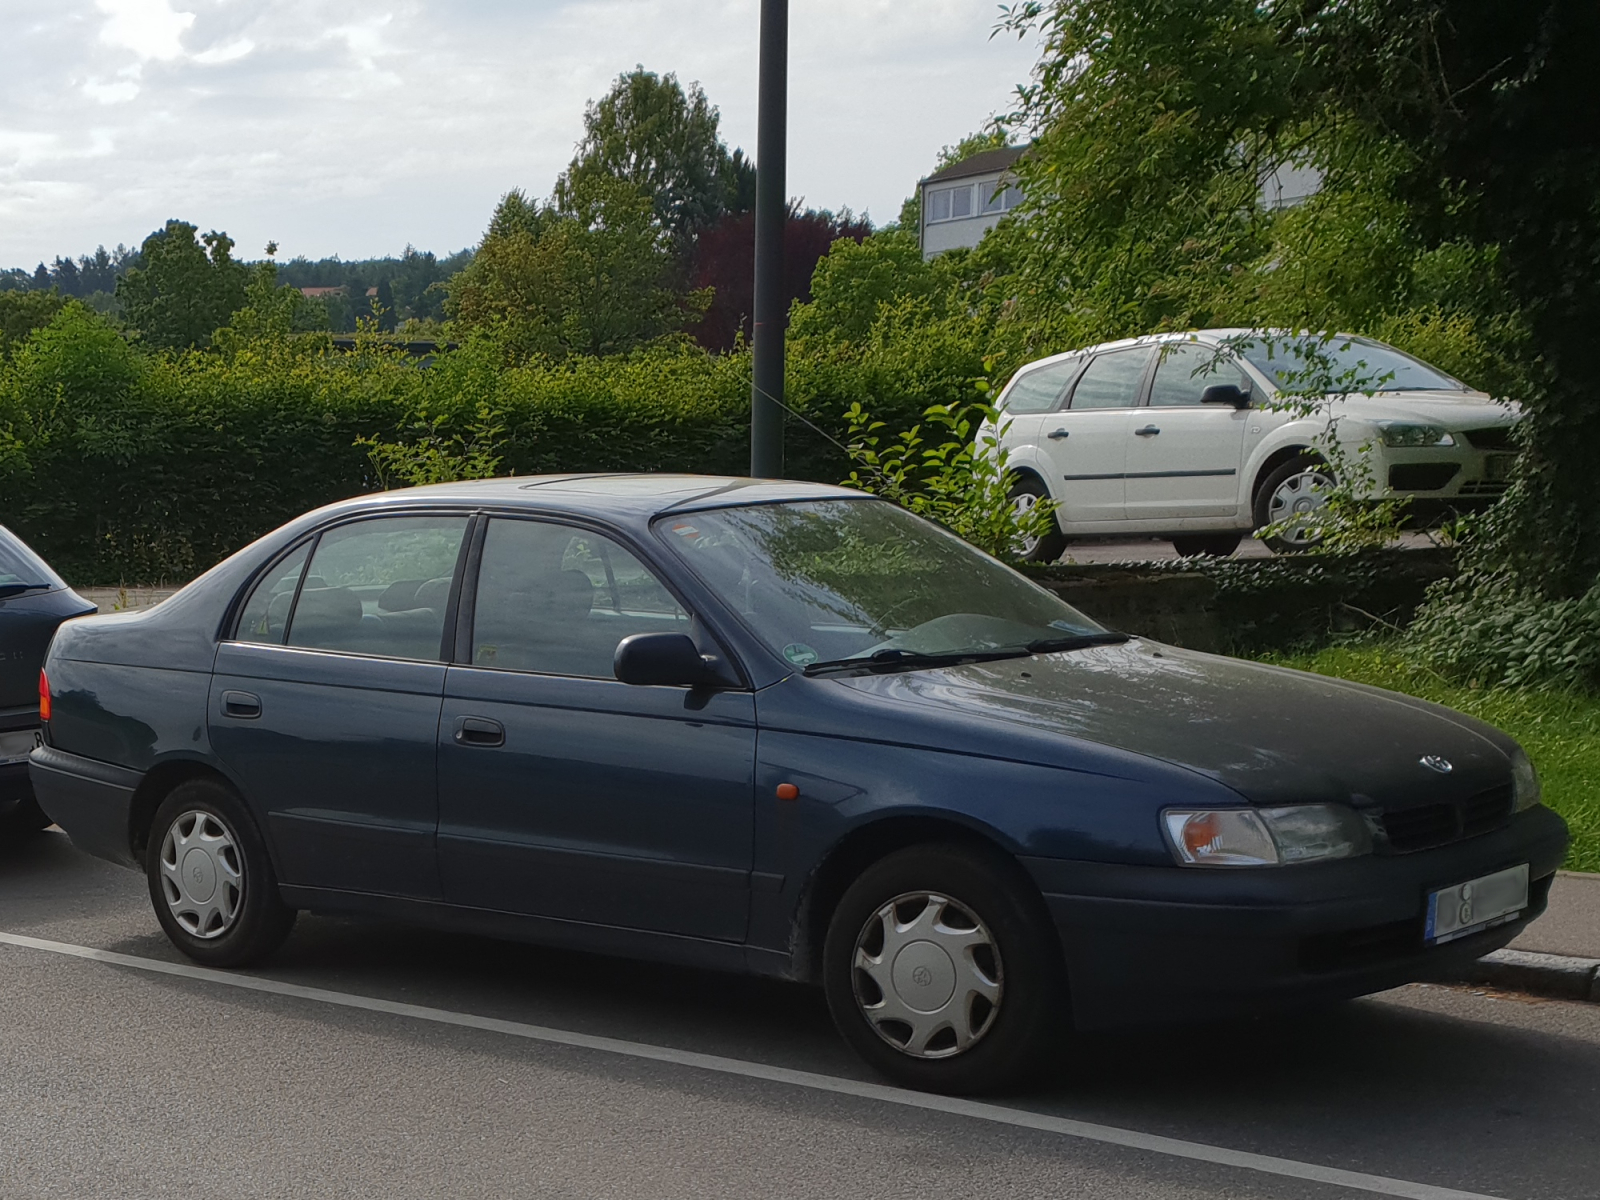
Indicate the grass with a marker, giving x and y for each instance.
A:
(1560, 730)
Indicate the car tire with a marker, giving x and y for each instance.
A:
(991, 967)
(1217, 545)
(1277, 486)
(1027, 491)
(211, 881)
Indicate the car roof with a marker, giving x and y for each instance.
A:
(635, 495)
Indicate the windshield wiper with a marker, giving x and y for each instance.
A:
(8, 590)
(889, 659)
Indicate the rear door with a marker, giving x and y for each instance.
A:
(1186, 461)
(325, 703)
(1090, 455)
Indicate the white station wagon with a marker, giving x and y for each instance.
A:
(1185, 436)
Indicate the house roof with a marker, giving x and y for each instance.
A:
(985, 162)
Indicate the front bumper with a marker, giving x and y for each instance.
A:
(1149, 944)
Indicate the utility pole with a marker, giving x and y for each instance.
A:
(772, 214)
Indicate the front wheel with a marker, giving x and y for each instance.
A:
(1026, 493)
(1293, 497)
(942, 972)
(211, 882)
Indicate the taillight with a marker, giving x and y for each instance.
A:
(44, 696)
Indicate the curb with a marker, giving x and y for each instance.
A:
(1555, 975)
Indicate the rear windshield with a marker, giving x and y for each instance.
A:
(1301, 365)
(21, 567)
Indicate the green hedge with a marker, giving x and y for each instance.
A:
(123, 466)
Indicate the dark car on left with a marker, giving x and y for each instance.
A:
(33, 602)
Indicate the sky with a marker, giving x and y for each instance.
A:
(353, 128)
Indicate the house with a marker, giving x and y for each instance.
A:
(965, 200)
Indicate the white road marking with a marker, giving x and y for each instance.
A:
(999, 1114)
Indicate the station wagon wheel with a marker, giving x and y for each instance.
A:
(1294, 493)
(211, 880)
(942, 970)
(1026, 493)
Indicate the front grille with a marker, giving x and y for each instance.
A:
(1421, 477)
(1496, 437)
(1483, 487)
(1429, 825)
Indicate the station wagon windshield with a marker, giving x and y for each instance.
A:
(863, 582)
(21, 570)
(1302, 365)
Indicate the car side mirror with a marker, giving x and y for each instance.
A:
(1226, 393)
(666, 660)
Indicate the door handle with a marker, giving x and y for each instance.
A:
(1059, 433)
(243, 706)
(479, 731)
(1147, 431)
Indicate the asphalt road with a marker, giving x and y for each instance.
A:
(121, 1079)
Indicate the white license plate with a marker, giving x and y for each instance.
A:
(1497, 467)
(18, 744)
(1476, 905)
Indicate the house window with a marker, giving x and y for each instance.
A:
(950, 204)
(998, 196)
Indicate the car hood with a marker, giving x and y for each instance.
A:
(1448, 410)
(1273, 735)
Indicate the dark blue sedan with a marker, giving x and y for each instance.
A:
(779, 728)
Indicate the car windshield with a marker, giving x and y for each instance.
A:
(1305, 365)
(829, 580)
(21, 569)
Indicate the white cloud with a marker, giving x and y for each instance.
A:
(346, 128)
(147, 27)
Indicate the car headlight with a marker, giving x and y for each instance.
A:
(1524, 782)
(1264, 837)
(1413, 436)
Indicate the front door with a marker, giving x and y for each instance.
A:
(565, 793)
(325, 703)
(1090, 452)
(1190, 466)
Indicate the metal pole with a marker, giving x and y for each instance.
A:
(772, 213)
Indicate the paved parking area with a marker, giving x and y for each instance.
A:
(374, 1060)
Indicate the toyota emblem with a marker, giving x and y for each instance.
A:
(1435, 763)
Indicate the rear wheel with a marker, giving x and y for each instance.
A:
(1293, 496)
(1026, 493)
(211, 882)
(943, 973)
(1219, 545)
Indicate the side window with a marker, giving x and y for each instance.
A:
(1040, 389)
(557, 600)
(1185, 370)
(266, 613)
(379, 587)
(1112, 380)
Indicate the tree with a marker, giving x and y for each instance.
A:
(187, 289)
(724, 263)
(662, 140)
(23, 312)
(595, 277)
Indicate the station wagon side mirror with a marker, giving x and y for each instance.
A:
(666, 660)
(1226, 393)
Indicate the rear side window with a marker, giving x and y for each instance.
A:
(1185, 370)
(1040, 390)
(557, 600)
(379, 587)
(266, 613)
(1112, 379)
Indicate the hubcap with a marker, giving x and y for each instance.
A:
(1023, 505)
(927, 975)
(1297, 501)
(202, 874)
